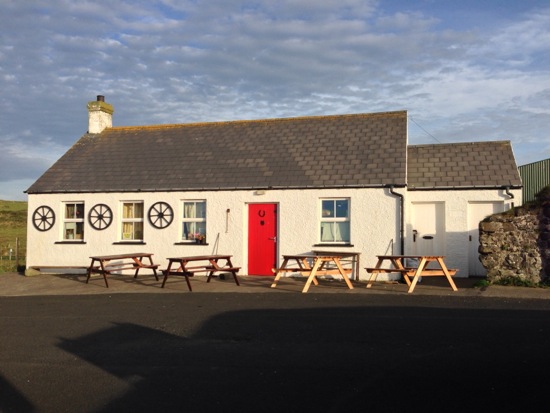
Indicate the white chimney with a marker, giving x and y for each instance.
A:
(100, 115)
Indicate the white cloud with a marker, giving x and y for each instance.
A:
(180, 61)
(522, 41)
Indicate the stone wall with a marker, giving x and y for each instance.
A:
(516, 243)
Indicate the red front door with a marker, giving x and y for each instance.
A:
(262, 239)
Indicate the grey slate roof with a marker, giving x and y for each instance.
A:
(363, 150)
(462, 165)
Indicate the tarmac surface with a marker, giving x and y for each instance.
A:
(68, 346)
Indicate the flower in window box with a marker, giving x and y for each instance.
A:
(200, 238)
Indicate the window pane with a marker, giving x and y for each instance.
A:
(189, 210)
(341, 231)
(201, 229)
(187, 231)
(69, 211)
(342, 208)
(138, 230)
(201, 210)
(138, 210)
(128, 211)
(327, 234)
(79, 230)
(128, 230)
(70, 229)
(79, 211)
(328, 208)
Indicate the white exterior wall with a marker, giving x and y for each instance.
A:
(456, 219)
(374, 225)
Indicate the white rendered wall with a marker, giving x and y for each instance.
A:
(374, 225)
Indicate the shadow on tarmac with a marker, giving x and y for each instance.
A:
(273, 353)
(330, 360)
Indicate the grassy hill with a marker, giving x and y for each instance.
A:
(13, 226)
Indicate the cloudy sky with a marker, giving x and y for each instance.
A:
(465, 70)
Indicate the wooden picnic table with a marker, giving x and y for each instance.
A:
(412, 274)
(210, 264)
(323, 264)
(347, 256)
(108, 264)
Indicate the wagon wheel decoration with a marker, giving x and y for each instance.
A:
(100, 216)
(160, 215)
(43, 218)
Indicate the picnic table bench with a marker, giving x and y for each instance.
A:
(209, 264)
(323, 264)
(109, 264)
(411, 274)
(346, 257)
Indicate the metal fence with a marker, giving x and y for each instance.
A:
(13, 255)
(535, 177)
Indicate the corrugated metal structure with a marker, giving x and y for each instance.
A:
(535, 176)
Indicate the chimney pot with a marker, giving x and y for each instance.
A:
(100, 98)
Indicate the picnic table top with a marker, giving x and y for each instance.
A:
(322, 254)
(121, 256)
(410, 256)
(199, 257)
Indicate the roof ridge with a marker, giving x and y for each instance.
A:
(267, 120)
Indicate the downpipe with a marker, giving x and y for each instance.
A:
(401, 219)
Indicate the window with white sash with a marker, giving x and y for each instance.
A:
(73, 221)
(194, 221)
(335, 221)
(132, 221)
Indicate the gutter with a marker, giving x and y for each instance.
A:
(401, 219)
(202, 189)
(459, 188)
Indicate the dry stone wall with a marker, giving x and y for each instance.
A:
(516, 243)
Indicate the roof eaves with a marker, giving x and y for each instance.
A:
(448, 188)
(217, 189)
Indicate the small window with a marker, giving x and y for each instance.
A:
(73, 221)
(194, 221)
(132, 221)
(335, 221)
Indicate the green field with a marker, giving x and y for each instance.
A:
(13, 230)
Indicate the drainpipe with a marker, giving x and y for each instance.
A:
(402, 220)
(511, 195)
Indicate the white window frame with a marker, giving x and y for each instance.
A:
(334, 221)
(193, 228)
(70, 224)
(132, 235)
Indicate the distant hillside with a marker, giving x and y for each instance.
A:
(13, 226)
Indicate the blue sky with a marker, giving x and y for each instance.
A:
(464, 70)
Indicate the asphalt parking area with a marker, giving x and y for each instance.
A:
(227, 351)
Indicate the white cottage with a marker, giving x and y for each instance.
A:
(263, 188)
